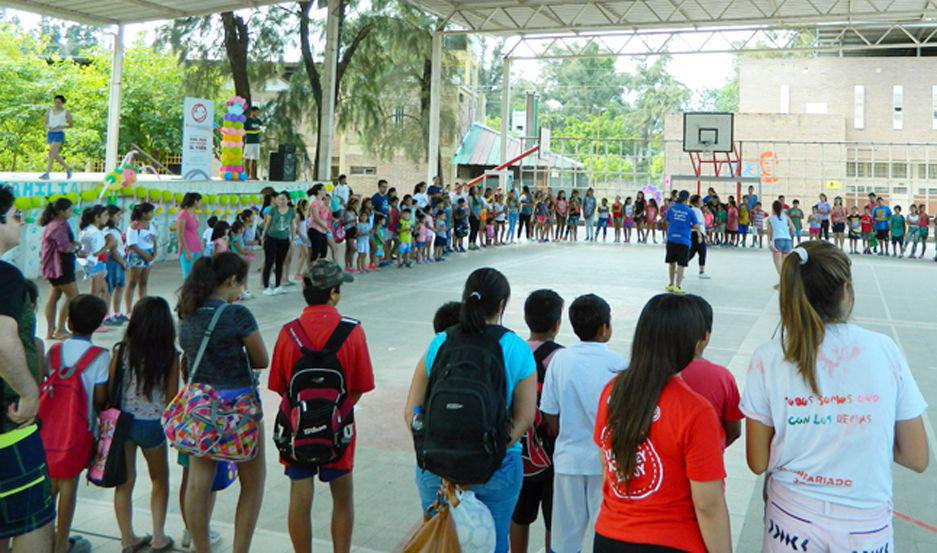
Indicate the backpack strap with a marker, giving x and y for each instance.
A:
(295, 330)
(544, 351)
(55, 357)
(340, 334)
(205, 339)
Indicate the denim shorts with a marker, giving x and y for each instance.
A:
(55, 136)
(499, 493)
(147, 434)
(326, 475)
(783, 245)
(115, 275)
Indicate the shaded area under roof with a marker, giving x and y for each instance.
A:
(113, 12)
(481, 146)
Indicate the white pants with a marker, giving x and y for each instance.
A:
(794, 522)
(576, 503)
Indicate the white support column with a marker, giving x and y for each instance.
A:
(505, 116)
(327, 125)
(435, 95)
(113, 102)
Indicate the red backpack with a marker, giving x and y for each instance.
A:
(538, 442)
(63, 412)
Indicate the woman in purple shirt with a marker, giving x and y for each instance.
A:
(58, 263)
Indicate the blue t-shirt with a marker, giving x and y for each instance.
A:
(518, 364)
(884, 212)
(379, 202)
(680, 221)
(752, 200)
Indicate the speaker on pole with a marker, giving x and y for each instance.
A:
(283, 164)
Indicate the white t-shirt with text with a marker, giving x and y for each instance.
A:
(837, 446)
(572, 388)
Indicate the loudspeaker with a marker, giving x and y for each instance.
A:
(287, 148)
(282, 167)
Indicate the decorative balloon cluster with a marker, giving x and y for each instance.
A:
(123, 176)
(232, 140)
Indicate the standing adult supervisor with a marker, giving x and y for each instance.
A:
(681, 222)
(57, 120)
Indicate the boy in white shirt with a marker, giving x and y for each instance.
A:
(573, 385)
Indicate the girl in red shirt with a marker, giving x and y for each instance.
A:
(661, 444)
(866, 223)
(617, 216)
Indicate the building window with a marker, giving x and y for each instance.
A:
(858, 116)
(899, 170)
(860, 169)
(897, 102)
(927, 171)
(881, 170)
(357, 170)
(784, 99)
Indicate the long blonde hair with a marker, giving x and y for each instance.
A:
(813, 280)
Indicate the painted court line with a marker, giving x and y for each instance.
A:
(916, 522)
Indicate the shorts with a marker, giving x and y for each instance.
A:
(68, 272)
(326, 475)
(252, 151)
(897, 240)
(137, 262)
(924, 231)
(839, 227)
(25, 489)
(53, 137)
(535, 495)
(881, 234)
(608, 545)
(814, 232)
(420, 244)
(363, 247)
(404, 247)
(629, 223)
(147, 434)
(720, 228)
(732, 232)
(677, 253)
(95, 269)
(783, 245)
(541, 219)
(115, 275)
(441, 242)
(743, 229)
(825, 525)
(572, 221)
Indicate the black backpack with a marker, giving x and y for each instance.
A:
(465, 432)
(538, 443)
(316, 420)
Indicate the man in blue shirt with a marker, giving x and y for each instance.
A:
(379, 199)
(681, 221)
(752, 199)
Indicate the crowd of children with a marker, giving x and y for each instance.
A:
(627, 448)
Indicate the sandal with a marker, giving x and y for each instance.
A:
(142, 544)
(168, 547)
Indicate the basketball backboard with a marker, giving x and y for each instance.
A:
(707, 132)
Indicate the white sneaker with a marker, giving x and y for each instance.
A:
(269, 292)
(213, 537)
(704, 276)
(278, 291)
(248, 294)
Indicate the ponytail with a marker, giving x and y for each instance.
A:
(89, 215)
(140, 210)
(53, 209)
(208, 273)
(813, 280)
(485, 295)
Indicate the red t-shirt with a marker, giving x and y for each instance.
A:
(866, 223)
(319, 321)
(716, 384)
(685, 443)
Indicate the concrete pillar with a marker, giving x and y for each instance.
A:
(113, 102)
(505, 116)
(327, 125)
(435, 96)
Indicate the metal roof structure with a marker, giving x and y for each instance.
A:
(514, 17)
(115, 12)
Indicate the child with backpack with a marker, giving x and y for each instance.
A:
(146, 364)
(320, 364)
(75, 389)
(543, 313)
(574, 382)
(485, 371)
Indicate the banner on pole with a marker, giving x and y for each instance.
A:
(198, 124)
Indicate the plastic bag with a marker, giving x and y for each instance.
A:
(437, 535)
(473, 523)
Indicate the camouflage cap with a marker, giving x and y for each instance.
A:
(325, 273)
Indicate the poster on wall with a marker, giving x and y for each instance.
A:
(198, 123)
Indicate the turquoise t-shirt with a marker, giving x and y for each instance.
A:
(897, 226)
(518, 364)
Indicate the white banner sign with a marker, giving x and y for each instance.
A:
(198, 123)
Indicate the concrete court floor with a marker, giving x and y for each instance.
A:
(396, 308)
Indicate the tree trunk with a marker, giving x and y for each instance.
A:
(236, 42)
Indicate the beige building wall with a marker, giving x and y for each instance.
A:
(828, 124)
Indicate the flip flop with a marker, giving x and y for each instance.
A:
(143, 543)
(167, 547)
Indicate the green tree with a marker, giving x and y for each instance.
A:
(583, 86)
